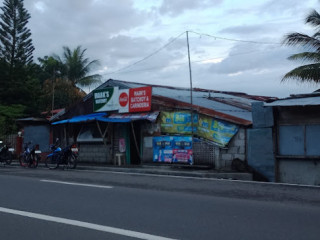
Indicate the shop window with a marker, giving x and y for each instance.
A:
(89, 133)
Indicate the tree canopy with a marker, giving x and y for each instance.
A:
(309, 72)
(77, 67)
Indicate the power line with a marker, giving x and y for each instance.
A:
(234, 40)
(150, 55)
(174, 39)
(179, 64)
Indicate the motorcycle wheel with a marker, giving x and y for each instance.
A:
(23, 161)
(52, 162)
(8, 158)
(34, 161)
(72, 161)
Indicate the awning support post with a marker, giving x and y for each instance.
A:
(103, 134)
(135, 140)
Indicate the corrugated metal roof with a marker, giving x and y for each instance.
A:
(299, 101)
(222, 105)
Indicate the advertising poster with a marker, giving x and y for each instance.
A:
(217, 131)
(178, 122)
(105, 99)
(173, 149)
(162, 149)
(209, 128)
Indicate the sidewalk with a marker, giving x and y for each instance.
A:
(171, 170)
(160, 169)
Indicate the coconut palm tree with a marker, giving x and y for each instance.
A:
(77, 67)
(309, 72)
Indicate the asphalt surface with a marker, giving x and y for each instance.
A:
(175, 207)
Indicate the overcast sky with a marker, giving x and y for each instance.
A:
(120, 33)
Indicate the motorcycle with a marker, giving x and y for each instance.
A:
(30, 156)
(67, 156)
(6, 154)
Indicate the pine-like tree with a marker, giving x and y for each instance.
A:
(16, 46)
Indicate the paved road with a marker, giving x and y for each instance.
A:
(43, 204)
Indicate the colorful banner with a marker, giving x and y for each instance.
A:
(178, 122)
(172, 149)
(214, 130)
(219, 132)
(105, 99)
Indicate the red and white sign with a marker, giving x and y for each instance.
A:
(135, 99)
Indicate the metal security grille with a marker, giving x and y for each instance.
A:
(204, 153)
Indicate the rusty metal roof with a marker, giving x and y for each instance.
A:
(234, 107)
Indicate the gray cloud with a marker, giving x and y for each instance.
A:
(118, 34)
(79, 22)
(176, 7)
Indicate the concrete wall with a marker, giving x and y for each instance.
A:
(236, 149)
(95, 153)
(300, 171)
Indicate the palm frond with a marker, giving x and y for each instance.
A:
(306, 56)
(89, 80)
(306, 73)
(293, 39)
(313, 19)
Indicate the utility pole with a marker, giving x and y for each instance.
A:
(53, 80)
(191, 100)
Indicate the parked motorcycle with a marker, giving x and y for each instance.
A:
(31, 156)
(6, 154)
(67, 156)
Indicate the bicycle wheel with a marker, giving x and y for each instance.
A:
(72, 161)
(8, 158)
(52, 162)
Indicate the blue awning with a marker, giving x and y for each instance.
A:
(117, 118)
(84, 118)
(128, 117)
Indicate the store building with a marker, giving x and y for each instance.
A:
(137, 124)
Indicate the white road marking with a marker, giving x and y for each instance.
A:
(76, 184)
(92, 226)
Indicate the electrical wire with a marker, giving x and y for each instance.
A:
(179, 64)
(174, 39)
(150, 55)
(234, 40)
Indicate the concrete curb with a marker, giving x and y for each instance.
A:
(196, 172)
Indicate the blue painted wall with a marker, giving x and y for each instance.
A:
(260, 151)
(37, 135)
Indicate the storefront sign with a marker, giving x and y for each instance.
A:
(124, 100)
(214, 130)
(135, 99)
(105, 99)
(172, 149)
